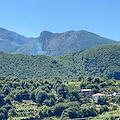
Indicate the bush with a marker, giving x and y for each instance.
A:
(114, 107)
(41, 96)
(58, 109)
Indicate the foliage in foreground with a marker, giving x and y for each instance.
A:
(42, 98)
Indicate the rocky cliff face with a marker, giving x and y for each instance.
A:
(56, 44)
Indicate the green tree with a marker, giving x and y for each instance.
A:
(1, 101)
(12, 113)
(41, 96)
(103, 108)
(58, 109)
(62, 90)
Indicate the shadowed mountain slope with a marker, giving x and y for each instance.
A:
(11, 41)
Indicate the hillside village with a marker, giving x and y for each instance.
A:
(54, 99)
(97, 96)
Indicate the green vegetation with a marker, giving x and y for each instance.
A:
(54, 99)
(101, 61)
(43, 87)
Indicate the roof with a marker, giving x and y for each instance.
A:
(116, 94)
(98, 94)
(85, 89)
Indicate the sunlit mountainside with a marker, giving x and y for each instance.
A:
(48, 43)
(103, 61)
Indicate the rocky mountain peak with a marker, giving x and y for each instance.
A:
(46, 33)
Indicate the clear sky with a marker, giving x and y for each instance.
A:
(30, 17)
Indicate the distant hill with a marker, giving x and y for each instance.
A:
(103, 61)
(8, 46)
(11, 41)
(56, 44)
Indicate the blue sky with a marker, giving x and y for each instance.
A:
(30, 17)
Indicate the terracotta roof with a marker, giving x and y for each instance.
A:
(85, 89)
(98, 94)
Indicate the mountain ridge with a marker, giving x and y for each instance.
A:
(51, 44)
(56, 44)
(11, 41)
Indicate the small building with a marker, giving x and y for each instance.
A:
(116, 94)
(86, 92)
(97, 96)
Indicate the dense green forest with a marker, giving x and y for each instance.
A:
(55, 99)
(102, 61)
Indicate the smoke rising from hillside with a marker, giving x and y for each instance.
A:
(39, 48)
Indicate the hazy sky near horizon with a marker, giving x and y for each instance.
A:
(30, 17)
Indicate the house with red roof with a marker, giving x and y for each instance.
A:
(97, 96)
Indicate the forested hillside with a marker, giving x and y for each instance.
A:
(102, 61)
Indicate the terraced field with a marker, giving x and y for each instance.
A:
(26, 109)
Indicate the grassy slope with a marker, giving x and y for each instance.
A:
(25, 110)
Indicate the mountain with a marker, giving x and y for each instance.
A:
(48, 43)
(56, 44)
(34, 47)
(11, 41)
(8, 46)
(103, 61)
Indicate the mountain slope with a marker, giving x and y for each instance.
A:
(8, 46)
(56, 44)
(11, 41)
(25, 66)
(72, 41)
(32, 48)
(48, 43)
(103, 61)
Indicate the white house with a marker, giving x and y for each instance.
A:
(97, 96)
(116, 94)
